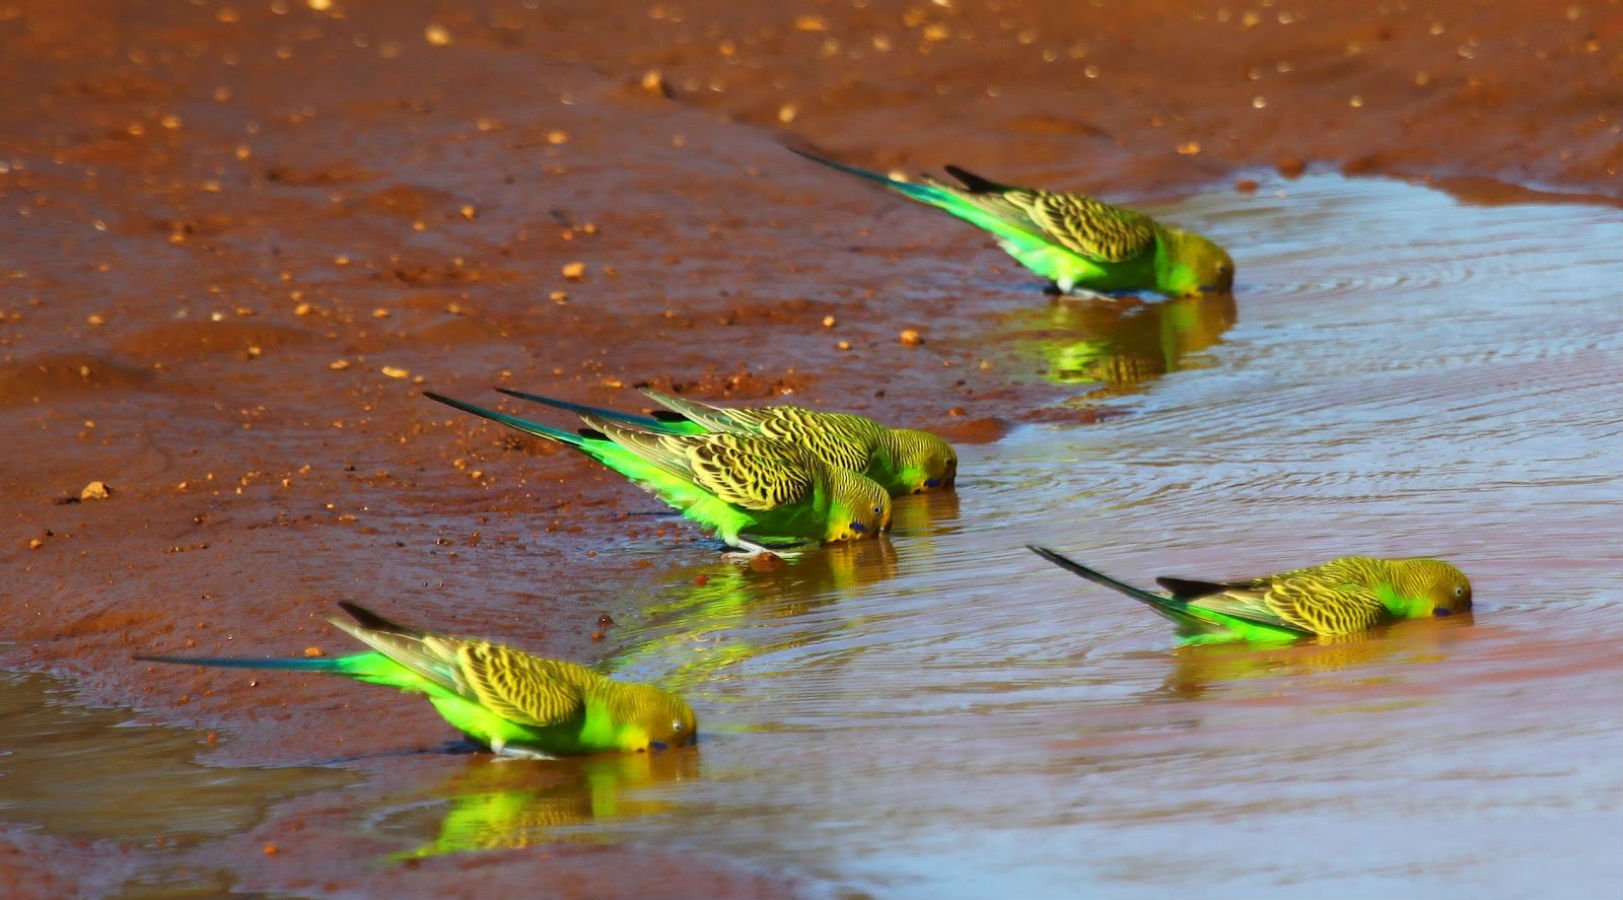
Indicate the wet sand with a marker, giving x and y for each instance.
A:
(241, 239)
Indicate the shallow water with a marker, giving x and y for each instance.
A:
(99, 775)
(944, 714)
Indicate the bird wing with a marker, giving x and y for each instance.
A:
(1092, 228)
(842, 440)
(1325, 599)
(1245, 603)
(752, 472)
(713, 418)
(522, 688)
(744, 470)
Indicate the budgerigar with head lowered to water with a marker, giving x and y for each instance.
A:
(1081, 244)
(732, 483)
(1344, 596)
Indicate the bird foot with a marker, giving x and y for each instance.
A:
(748, 552)
(507, 753)
(1081, 293)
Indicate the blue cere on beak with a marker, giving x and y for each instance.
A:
(859, 528)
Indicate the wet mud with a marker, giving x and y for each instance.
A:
(240, 239)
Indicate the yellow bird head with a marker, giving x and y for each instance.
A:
(1434, 582)
(860, 508)
(654, 719)
(925, 461)
(1188, 263)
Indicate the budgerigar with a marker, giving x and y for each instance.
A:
(505, 699)
(733, 483)
(901, 460)
(1079, 243)
(1340, 597)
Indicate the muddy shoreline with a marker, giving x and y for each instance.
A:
(241, 239)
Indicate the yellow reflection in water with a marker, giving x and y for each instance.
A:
(1369, 658)
(511, 804)
(1124, 344)
(716, 616)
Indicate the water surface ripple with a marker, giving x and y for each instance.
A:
(945, 715)
(1407, 374)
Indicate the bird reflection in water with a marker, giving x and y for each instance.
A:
(1123, 345)
(1370, 658)
(716, 616)
(512, 804)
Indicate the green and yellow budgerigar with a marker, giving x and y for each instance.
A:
(1079, 243)
(732, 483)
(1344, 596)
(505, 699)
(901, 460)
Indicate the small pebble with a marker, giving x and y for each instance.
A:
(766, 562)
(911, 337)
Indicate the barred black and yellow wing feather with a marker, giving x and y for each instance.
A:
(522, 688)
(1335, 598)
(753, 473)
(744, 470)
(1092, 228)
(841, 440)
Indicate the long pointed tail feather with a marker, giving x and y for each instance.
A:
(1100, 578)
(1193, 621)
(543, 431)
(341, 664)
(582, 409)
(924, 193)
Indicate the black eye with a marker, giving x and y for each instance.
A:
(878, 510)
(1459, 592)
(676, 727)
